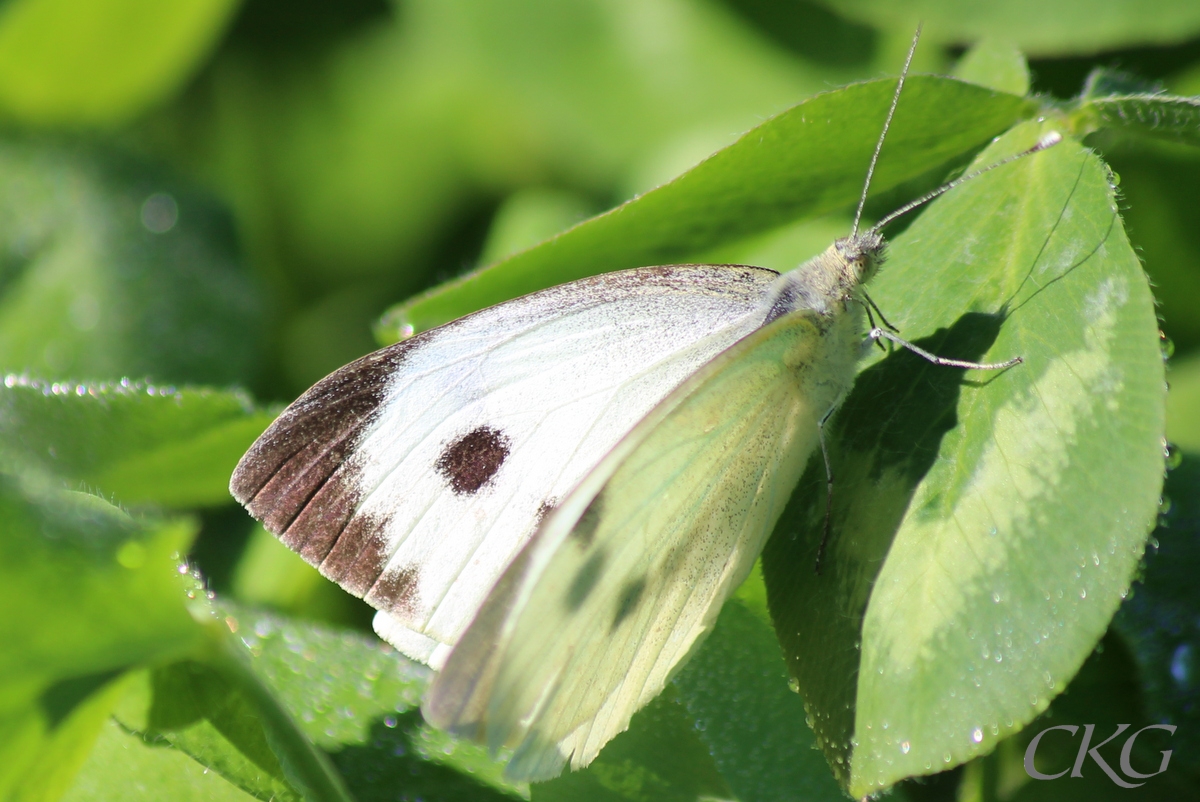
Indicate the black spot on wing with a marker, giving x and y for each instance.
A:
(545, 508)
(585, 581)
(396, 591)
(631, 594)
(585, 528)
(470, 462)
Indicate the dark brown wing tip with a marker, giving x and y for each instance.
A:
(288, 464)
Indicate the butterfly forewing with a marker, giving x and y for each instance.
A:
(619, 584)
(413, 476)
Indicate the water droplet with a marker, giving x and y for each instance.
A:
(1165, 345)
(793, 685)
(1164, 506)
(1183, 664)
(977, 735)
(947, 757)
(160, 213)
(1083, 593)
(905, 746)
(996, 596)
(389, 722)
(1172, 454)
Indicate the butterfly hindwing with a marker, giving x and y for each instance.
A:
(414, 475)
(619, 584)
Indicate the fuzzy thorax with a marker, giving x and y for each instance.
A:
(826, 282)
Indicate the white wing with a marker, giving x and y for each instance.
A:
(619, 583)
(413, 476)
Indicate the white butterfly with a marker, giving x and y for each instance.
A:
(549, 500)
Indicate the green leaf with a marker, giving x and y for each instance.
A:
(1043, 29)
(1104, 693)
(136, 441)
(201, 713)
(996, 65)
(125, 768)
(805, 162)
(660, 758)
(109, 268)
(45, 744)
(101, 62)
(86, 592)
(214, 708)
(736, 691)
(358, 701)
(1174, 119)
(985, 525)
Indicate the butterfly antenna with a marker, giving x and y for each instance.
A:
(1049, 140)
(862, 201)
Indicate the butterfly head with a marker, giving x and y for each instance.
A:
(860, 255)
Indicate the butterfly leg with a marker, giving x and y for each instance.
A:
(878, 333)
(869, 306)
(828, 484)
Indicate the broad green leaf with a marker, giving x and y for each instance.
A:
(1175, 119)
(1104, 693)
(215, 708)
(985, 525)
(85, 589)
(198, 711)
(805, 162)
(110, 269)
(996, 65)
(358, 701)
(1042, 29)
(125, 768)
(736, 690)
(67, 62)
(86, 592)
(136, 441)
(660, 758)
(45, 744)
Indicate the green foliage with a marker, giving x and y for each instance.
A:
(138, 442)
(970, 505)
(205, 204)
(805, 162)
(111, 268)
(100, 62)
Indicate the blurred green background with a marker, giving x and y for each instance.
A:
(208, 192)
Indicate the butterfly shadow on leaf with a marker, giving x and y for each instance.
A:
(882, 443)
